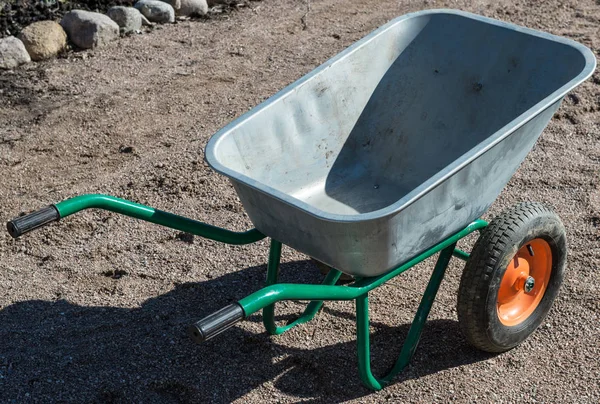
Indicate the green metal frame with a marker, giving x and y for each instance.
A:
(266, 298)
(148, 214)
(274, 292)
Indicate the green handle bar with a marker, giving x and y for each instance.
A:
(24, 224)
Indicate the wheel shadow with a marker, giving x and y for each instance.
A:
(58, 351)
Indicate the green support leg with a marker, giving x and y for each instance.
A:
(272, 276)
(414, 333)
(460, 254)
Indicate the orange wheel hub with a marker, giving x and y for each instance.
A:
(524, 282)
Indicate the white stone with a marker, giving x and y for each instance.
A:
(12, 53)
(156, 11)
(191, 8)
(129, 19)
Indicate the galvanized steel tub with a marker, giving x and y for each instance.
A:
(399, 141)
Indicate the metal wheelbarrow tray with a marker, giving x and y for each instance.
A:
(400, 140)
(384, 156)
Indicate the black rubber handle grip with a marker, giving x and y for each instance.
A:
(24, 224)
(216, 323)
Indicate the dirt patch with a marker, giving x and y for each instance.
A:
(95, 307)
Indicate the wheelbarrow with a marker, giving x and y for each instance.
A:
(385, 155)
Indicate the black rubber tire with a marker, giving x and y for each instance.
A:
(480, 281)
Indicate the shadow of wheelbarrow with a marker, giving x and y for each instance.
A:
(57, 351)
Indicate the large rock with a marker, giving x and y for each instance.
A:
(89, 30)
(12, 53)
(192, 7)
(156, 11)
(43, 39)
(129, 19)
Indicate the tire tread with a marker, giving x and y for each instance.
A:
(475, 280)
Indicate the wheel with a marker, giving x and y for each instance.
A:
(512, 277)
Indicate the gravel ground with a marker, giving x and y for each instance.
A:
(95, 308)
